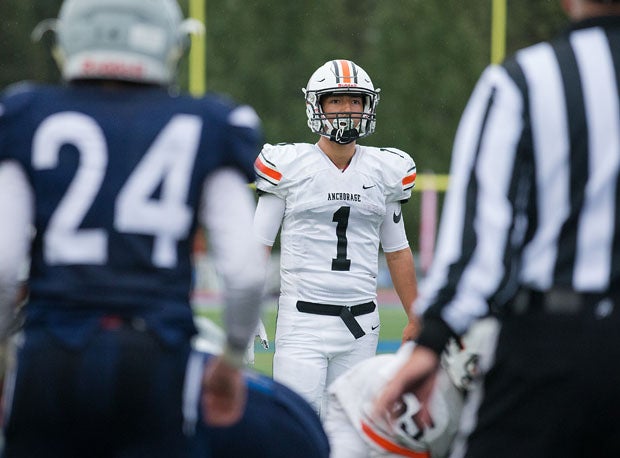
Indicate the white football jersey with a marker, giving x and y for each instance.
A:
(332, 221)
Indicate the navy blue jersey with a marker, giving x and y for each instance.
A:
(277, 423)
(117, 176)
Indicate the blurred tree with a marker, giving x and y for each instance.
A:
(20, 58)
(533, 20)
(424, 55)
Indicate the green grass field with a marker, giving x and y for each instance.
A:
(392, 324)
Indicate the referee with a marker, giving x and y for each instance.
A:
(530, 233)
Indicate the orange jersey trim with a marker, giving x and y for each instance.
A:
(265, 170)
(391, 446)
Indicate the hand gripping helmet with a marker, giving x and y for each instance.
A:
(128, 40)
(341, 77)
(461, 365)
(403, 437)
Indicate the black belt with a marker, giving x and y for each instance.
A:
(563, 301)
(347, 314)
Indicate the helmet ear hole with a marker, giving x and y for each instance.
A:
(42, 28)
(189, 27)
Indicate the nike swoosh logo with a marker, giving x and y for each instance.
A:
(396, 217)
(374, 327)
(368, 187)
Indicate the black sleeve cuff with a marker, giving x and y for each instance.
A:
(435, 334)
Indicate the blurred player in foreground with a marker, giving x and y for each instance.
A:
(114, 172)
(352, 431)
(277, 422)
(337, 202)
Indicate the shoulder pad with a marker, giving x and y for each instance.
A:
(15, 102)
(275, 163)
(19, 88)
(229, 111)
(399, 172)
(17, 95)
(244, 116)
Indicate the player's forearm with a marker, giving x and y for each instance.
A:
(242, 314)
(402, 271)
(240, 259)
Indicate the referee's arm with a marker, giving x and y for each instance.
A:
(477, 228)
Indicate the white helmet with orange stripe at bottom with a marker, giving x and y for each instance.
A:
(404, 438)
(351, 426)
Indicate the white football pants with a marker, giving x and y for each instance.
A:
(311, 350)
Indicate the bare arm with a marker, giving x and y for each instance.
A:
(416, 376)
(402, 270)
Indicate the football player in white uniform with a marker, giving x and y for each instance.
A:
(336, 201)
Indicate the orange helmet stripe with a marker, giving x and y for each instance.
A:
(346, 72)
(390, 446)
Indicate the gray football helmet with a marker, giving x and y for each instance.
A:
(129, 40)
(341, 77)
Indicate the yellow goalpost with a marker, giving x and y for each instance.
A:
(198, 68)
(498, 31)
(198, 51)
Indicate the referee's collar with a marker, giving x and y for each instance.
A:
(597, 21)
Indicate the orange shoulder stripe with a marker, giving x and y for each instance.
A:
(265, 170)
(409, 179)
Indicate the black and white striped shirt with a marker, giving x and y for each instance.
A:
(534, 190)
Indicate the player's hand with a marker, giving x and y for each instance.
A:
(411, 330)
(416, 376)
(224, 393)
(262, 335)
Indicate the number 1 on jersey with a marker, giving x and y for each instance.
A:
(341, 217)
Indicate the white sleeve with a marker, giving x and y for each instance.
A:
(228, 210)
(393, 235)
(16, 208)
(268, 217)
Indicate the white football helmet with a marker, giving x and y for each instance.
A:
(129, 40)
(338, 77)
(402, 437)
(396, 434)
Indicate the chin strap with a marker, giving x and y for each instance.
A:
(344, 137)
(342, 130)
